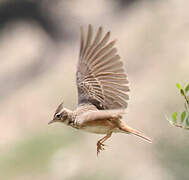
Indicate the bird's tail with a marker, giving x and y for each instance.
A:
(129, 130)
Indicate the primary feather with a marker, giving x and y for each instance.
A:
(101, 78)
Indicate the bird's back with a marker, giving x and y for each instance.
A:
(85, 107)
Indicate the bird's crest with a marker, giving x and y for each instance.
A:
(59, 108)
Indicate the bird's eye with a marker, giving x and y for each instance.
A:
(58, 116)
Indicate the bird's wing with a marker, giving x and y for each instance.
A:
(92, 115)
(101, 78)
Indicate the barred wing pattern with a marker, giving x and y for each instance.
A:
(101, 78)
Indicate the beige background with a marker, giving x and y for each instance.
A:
(153, 41)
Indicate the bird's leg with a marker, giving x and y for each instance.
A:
(101, 141)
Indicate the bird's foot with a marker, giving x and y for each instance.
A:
(100, 147)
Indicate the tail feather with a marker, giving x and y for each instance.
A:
(127, 129)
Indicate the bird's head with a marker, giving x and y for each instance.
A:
(61, 115)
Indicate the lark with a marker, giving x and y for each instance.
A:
(102, 90)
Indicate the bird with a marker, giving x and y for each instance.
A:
(103, 88)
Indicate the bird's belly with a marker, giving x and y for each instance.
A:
(97, 129)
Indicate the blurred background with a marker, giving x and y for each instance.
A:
(39, 47)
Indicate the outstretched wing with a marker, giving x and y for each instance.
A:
(101, 78)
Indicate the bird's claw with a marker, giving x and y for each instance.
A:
(100, 147)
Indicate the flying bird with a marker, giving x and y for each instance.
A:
(102, 90)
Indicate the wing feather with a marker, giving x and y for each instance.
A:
(101, 78)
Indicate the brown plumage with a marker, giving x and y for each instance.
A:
(101, 78)
(102, 89)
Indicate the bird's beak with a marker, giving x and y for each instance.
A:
(50, 122)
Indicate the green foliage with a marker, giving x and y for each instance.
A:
(183, 116)
(178, 86)
(187, 88)
(182, 92)
(187, 121)
(183, 121)
(174, 117)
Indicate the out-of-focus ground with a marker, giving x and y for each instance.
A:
(37, 72)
